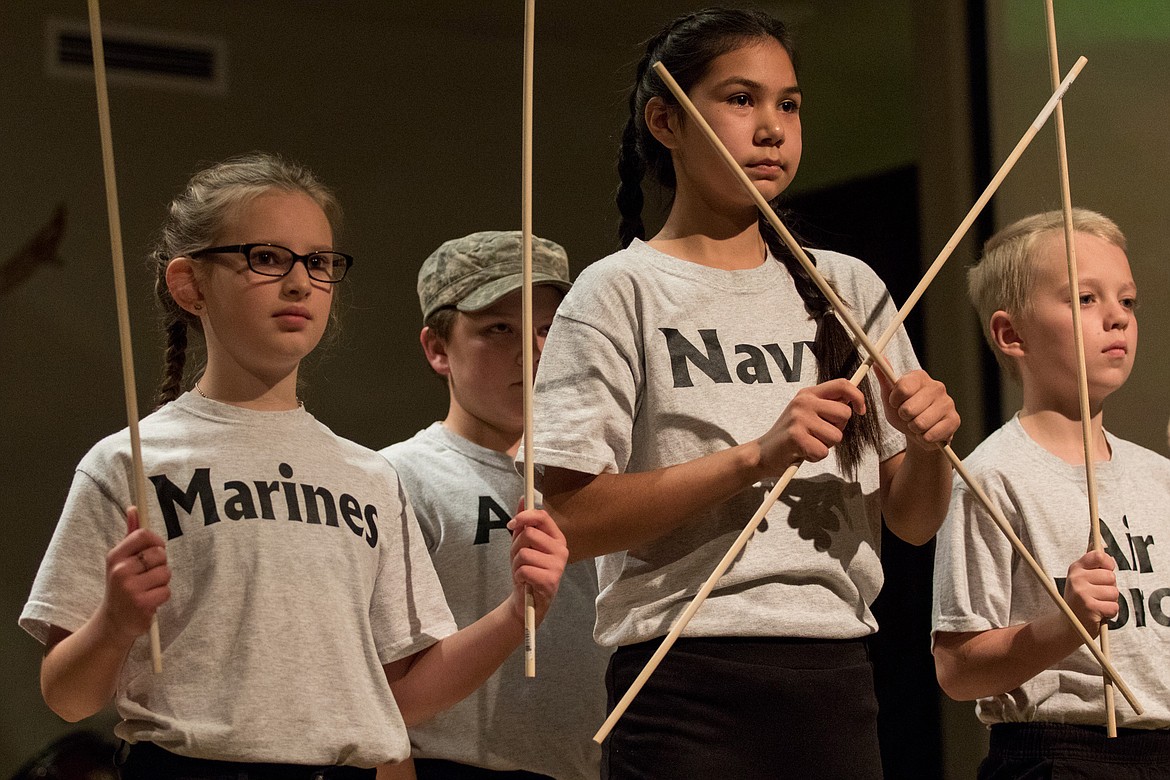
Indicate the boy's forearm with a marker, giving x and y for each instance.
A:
(987, 663)
(452, 668)
(79, 673)
(919, 492)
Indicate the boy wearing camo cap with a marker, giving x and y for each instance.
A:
(464, 488)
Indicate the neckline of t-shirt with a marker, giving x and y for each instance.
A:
(468, 448)
(759, 279)
(197, 405)
(1071, 471)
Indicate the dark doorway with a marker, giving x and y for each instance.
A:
(876, 219)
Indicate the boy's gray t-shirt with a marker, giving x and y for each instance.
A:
(464, 495)
(653, 361)
(297, 571)
(980, 584)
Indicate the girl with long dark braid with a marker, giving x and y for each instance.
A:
(683, 375)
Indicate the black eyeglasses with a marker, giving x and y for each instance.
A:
(273, 260)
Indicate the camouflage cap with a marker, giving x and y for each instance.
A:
(473, 272)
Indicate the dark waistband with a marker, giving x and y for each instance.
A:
(154, 761)
(442, 769)
(816, 653)
(1068, 740)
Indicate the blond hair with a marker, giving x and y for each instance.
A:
(1003, 278)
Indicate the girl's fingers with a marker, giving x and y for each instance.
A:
(136, 542)
(923, 407)
(930, 424)
(910, 398)
(140, 555)
(835, 413)
(137, 573)
(152, 557)
(841, 391)
(158, 577)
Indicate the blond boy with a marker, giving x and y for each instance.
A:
(998, 638)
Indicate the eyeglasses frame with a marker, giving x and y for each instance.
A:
(246, 251)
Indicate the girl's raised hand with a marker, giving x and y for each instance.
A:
(812, 423)
(920, 407)
(137, 580)
(539, 555)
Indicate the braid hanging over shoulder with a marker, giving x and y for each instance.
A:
(834, 350)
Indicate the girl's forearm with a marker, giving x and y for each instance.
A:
(612, 512)
(79, 673)
(449, 670)
(915, 504)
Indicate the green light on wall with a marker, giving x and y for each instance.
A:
(1086, 23)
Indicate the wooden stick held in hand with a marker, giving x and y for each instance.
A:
(131, 393)
(1079, 339)
(526, 242)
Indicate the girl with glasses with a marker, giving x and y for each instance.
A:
(301, 622)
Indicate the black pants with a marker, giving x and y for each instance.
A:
(1039, 751)
(745, 708)
(147, 761)
(438, 769)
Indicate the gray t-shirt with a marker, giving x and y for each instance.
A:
(980, 584)
(298, 570)
(464, 495)
(654, 361)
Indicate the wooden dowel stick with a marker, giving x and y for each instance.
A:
(526, 295)
(1078, 338)
(778, 489)
(103, 101)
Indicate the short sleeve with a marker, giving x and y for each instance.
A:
(71, 581)
(408, 611)
(585, 399)
(972, 568)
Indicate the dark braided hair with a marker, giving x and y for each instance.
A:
(194, 219)
(687, 46)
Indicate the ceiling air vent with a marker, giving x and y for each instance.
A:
(148, 58)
